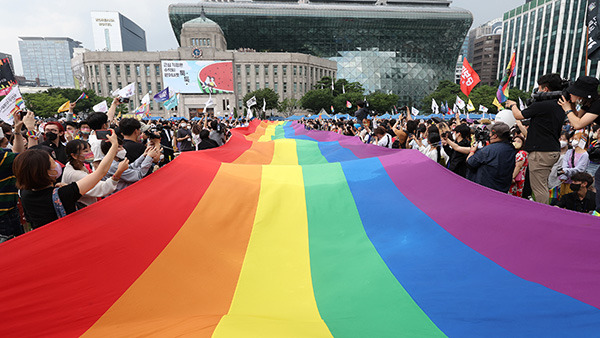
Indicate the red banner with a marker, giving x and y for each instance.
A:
(468, 78)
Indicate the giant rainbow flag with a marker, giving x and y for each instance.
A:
(284, 232)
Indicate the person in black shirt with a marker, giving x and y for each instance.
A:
(131, 130)
(494, 164)
(205, 141)
(458, 150)
(184, 138)
(361, 113)
(36, 172)
(54, 136)
(584, 92)
(581, 199)
(542, 143)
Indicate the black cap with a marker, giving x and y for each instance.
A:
(585, 86)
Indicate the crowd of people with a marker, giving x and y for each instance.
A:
(49, 169)
(551, 155)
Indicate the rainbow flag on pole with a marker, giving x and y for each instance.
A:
(509, 73)
(284, 232)
(82, 96)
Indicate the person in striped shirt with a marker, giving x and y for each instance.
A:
(10, 224)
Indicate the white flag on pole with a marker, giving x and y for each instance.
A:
(460, 103)
(249, 113)
(146, 98)
(414, 111)
(483, 109)
(101, 107)
(434, 107)
(209, 102)
(251, 103)
(128, 91)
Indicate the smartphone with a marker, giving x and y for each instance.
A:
(124, 100)
(102, 134)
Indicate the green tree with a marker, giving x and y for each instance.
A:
(288, 105)
(83, 105)
(484, 95)
(315, 100)
(339, 102)
(382, 102)
(266, 94)
(340, 86)
(44, 104)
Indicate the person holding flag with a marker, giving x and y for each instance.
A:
(542, 143)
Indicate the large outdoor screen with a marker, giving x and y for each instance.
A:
(198, 77)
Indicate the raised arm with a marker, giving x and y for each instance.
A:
(87, 183)
(576, 121)
(113, 109)
(29, 122)
(18, 143)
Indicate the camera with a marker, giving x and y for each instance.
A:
(123, 100)
(482, 135)
(153, 133)
(537, 96)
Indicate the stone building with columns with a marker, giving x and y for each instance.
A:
(290, 75)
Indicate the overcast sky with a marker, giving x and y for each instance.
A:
(71, 18)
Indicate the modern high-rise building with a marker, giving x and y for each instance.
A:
(459, 63)
(202, 67)
(484, 50)
(549, 36)
(400, 46)
(114, 32)
(10, 59)
(48, 59)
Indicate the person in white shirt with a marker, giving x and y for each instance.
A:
(433, 149)
(384, 139)
(80, 158)
(100, 121)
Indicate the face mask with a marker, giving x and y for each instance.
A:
(575, 187)
(89, 158)
(183, 125)
(564, 144)
(50, 136)
(121, 154)
(56, 172)
(575, 143)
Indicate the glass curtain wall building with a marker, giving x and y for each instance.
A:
(549, 36)
(401, 47)
(48, 59)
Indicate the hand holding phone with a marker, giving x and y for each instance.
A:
(102, 134)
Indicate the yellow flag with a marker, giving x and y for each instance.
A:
(497, 104)
(119, 116)
(470, 106)
(64, 107)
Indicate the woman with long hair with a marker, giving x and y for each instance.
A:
(80, 158)
(36, 172)
(583, 108)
